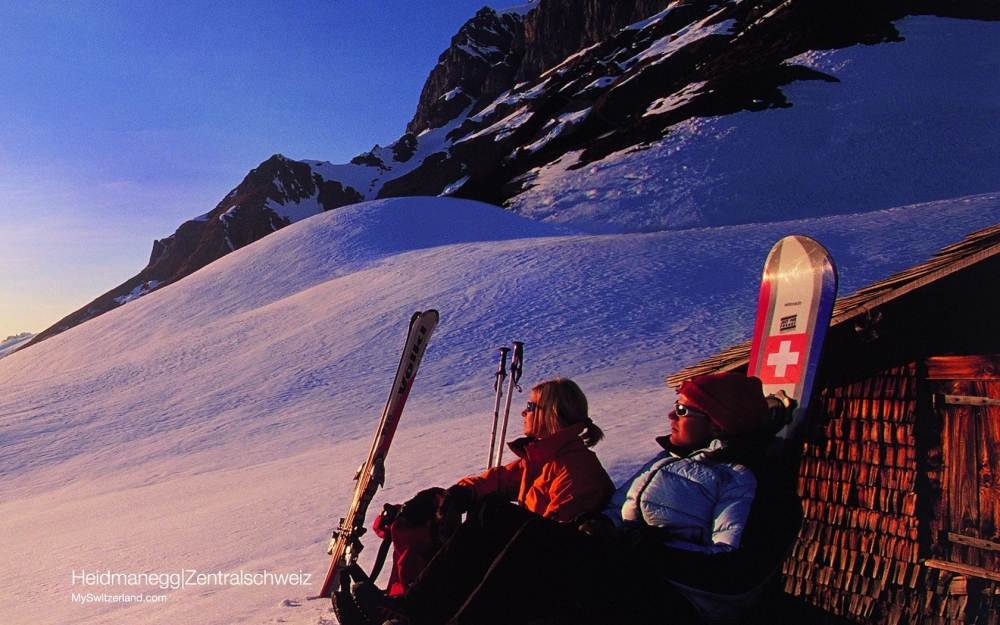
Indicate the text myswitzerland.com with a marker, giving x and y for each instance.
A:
(188, 577)
(91, 597)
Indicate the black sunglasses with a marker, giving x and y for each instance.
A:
(531, 407)
(686, 412)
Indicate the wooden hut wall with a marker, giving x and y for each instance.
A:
(870, 499)
(964, 494)
(858, 550)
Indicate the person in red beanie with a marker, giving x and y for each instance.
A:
(713, 519)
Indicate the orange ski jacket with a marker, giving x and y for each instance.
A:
(558, 476)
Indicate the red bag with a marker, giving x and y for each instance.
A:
(415, 536)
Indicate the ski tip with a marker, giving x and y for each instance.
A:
(429, 314)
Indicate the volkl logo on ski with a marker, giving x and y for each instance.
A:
(413, 359)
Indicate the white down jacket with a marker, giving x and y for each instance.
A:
(703, 503)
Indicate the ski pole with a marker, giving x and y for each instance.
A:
(500, 376)
(516, 365)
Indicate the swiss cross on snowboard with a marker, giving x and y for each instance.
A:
(783, 359)
(797, 294)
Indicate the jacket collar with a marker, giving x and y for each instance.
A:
(545, 449)
(714, 446)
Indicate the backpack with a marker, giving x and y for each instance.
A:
(416, 531)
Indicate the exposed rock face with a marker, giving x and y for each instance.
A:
(480, 63)
(592, 87)
(560, 28)
(492, 52)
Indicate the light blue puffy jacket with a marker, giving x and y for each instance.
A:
(703, 503)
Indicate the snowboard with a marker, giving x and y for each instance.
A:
(797, 294)
(346, 542)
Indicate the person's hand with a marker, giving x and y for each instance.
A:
(458, 497)
(422, 506)
(384, 520)
(451, 504)
(600, 527)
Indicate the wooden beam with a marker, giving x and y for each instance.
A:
(978, 543)
(965, 400)
(986, 367)
(963, 569)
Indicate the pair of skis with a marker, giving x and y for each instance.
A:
(346, 542)
(516, 366)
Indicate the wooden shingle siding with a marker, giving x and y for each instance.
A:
(900, 498)
(858, 552)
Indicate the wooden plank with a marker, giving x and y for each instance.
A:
(978, 543)
(937, 495)
(959, 441)
(989, 475)
(985, 367)
(963, 569)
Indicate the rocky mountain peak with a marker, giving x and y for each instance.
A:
(273, 195)
(480, 63)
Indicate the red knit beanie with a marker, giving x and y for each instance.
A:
(732, 401)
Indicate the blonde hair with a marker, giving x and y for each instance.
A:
(560, 404)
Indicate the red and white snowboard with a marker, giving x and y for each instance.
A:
(797, 293)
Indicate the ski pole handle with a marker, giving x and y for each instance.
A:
(500, 375)
(516, 366)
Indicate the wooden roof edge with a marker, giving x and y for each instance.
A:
(731, 358)
(877, 299)
(865, 299)
(943, 262)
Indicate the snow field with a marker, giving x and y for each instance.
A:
(215, 425)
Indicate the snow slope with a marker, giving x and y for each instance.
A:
(215, 425)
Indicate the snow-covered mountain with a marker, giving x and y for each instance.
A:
(12, 343)
(275, 194)
(658, 115)
(215, 425)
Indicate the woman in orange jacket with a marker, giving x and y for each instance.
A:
(556, 476)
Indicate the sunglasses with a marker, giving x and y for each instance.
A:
(531, 407)
(686, 412)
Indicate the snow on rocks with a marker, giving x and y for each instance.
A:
(906, 122)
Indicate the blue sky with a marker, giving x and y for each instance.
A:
(120, 119)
